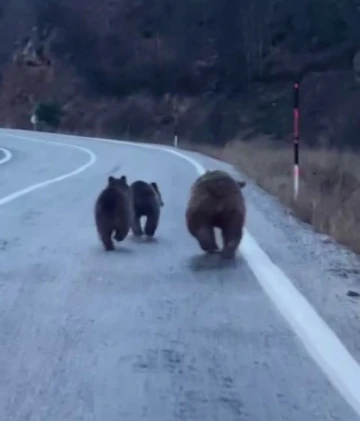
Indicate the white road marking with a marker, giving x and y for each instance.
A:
(321, 342)
(45, 183)
(7, 156)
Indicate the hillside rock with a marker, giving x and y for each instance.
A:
(116, 66)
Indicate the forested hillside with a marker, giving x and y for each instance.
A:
(129, 67)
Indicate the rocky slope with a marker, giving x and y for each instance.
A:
(132, 67)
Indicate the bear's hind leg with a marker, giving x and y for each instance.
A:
(105, 237)
(136, 226)
(122, 229)
(206, 239)
(231, 235)
(152, 222)
(120, 234)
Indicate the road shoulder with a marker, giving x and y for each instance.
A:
(322, 270)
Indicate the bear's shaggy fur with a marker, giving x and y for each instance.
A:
(216, 201)
(147, 201)
(113, 211)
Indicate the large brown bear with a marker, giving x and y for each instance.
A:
(113, 211)
(147, 201)
(216, 201)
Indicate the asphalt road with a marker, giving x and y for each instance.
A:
(153, 331)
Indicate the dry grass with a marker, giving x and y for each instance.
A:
(329, 196)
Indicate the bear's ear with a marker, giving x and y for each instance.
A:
(111, 180)
(241, 184)
(123, 179)
(155, 186)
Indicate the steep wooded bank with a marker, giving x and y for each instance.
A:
(129, 68)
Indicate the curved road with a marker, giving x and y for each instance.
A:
(153, 331)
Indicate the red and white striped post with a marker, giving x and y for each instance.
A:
(176, 136)
(176, 121)
(296, 115)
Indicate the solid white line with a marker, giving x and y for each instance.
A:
(321, 342)
(7, 156)
(45, 183)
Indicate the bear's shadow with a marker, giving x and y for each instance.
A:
(148, 240)
(143, 239)
(208, 262)
(119, 249)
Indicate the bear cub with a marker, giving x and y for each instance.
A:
(113, 211)
(147, 202)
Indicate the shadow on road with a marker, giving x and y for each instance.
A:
(119, 249)
(204, 262)
(143, 240)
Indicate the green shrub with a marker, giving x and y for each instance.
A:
(49, 113)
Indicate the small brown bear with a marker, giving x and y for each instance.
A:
(147, 201)
(113, 211)
(216, 201)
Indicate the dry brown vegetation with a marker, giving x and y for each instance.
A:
(115, 67)
(329, 195)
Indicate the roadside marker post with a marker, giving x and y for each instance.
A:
(176, 137)
(296, 116)
(175, 115)
(34, 121)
